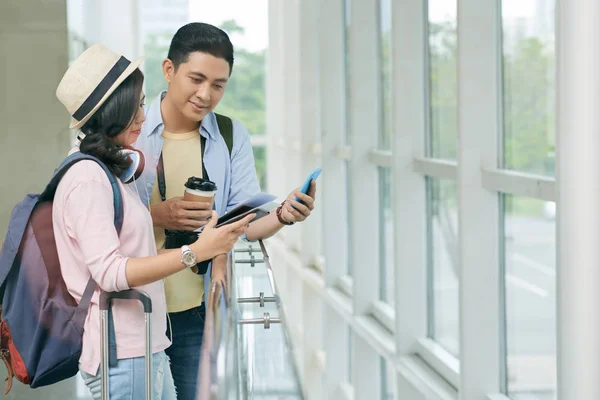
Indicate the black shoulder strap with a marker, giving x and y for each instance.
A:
(160, 171)
(226, 128)
(202, 145)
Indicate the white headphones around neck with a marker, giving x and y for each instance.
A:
(136, 168)
(138, 162)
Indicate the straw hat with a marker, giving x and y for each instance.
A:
(90, 80)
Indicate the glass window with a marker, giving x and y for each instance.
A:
(346, 10)
(386, 239)
(529, 85)
(260, 163)
(443, 94)
(530, 291)
(156, 48)
(385, 38)
(388, 381)
(348, 224)
(158, 23)
(442, 238)
(245, 95)
(346, 6)
(350, 355)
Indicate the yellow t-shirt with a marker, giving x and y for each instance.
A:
(182, 158)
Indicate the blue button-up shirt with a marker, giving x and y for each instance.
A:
(235, 177)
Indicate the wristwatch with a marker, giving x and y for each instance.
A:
(188, 257)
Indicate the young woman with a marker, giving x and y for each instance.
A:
(103, 93)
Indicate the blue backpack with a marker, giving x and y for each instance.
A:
(41, 325)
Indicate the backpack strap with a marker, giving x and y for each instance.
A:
(90, 288)
(86, 297)
(16, 229)
(226, 128)
(71, 160)
(117, 202)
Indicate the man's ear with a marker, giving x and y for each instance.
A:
(168, 70)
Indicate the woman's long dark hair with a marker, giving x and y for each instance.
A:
(113, 117)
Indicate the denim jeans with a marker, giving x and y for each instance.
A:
(127, 380)
(187, 331)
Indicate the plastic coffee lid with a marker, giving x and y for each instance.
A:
(196, 183)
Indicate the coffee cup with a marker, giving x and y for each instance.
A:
(198, 189)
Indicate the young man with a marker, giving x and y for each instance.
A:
(197, 69)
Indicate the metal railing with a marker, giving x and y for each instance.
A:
(227, 361)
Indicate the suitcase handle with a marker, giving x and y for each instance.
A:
(131, 294)
(105, 302)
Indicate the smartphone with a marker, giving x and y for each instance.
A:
(306, 187)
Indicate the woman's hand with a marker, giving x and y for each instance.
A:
(215, 241)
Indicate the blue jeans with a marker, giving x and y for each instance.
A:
(128, 379)
(187, 331)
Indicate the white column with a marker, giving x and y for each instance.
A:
(310, 237)
(479, 62)
(292, 104)
(283, 98)
(310, 127)
(578, 177)
(313, 316)
(408, 97)
(337, 357)
(275, 99)
(333, 124)
(332, 198)
(366, 370)
(365, 127)
(35, 135)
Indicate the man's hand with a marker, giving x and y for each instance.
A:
(294, 211)
(181, 215)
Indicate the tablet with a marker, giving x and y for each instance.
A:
(261, 204)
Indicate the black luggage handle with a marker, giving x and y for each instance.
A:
(108, 339)
(130, 294)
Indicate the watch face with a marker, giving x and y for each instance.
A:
(189, 258)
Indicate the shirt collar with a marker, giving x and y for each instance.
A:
(153, 116)
(208, 127)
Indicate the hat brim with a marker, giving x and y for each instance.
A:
(75, 124)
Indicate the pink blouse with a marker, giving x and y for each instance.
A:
(88, 245)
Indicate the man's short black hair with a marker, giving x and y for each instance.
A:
(205, 38)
